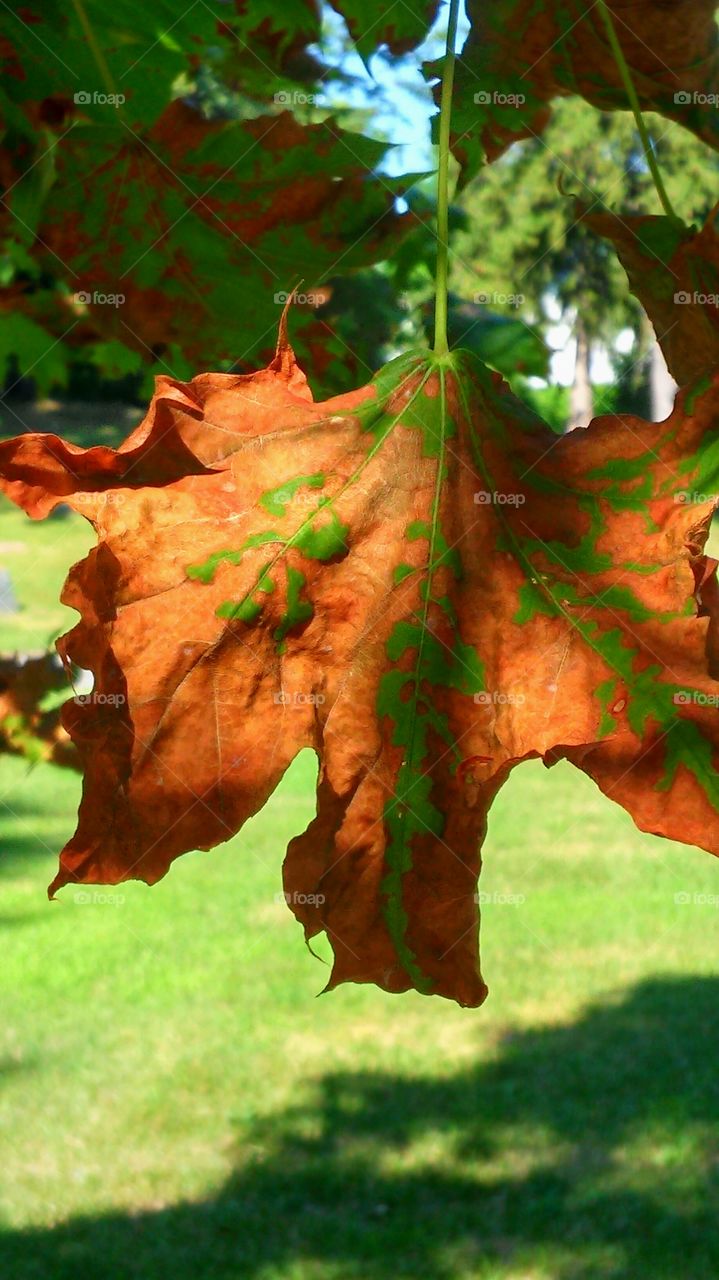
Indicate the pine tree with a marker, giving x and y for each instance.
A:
(520, 240)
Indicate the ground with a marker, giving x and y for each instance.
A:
(176, 1102)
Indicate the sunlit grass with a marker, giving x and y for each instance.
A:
(165, 1049)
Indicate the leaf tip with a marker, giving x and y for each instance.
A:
(284, 362)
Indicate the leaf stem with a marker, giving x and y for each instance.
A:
(97, 53)
(636, 109)
(441, 345)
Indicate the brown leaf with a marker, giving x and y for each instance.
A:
(417, 580)
(674, 272)
(521, 55)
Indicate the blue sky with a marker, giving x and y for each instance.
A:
(395, 89)
(403, 108)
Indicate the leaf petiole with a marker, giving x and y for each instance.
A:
(441, 345)
(636, 109)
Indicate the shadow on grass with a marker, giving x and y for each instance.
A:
(582, 1152)
(21, 843)
(19, 856)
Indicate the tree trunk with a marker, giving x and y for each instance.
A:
(663, 388)
(581, 400)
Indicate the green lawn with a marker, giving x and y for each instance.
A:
(37, 555)
(175, 1103)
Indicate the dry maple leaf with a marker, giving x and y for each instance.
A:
(520, 55)
(419, 581)
(673, 270)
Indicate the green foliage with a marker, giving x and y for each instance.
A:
(502, 341)
(191, 166)
(552, 402)
(182, 168)
(522, 236)
(27, 348)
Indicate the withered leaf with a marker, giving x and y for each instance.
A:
(419, 581)
(521, 55)
(673, 270)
